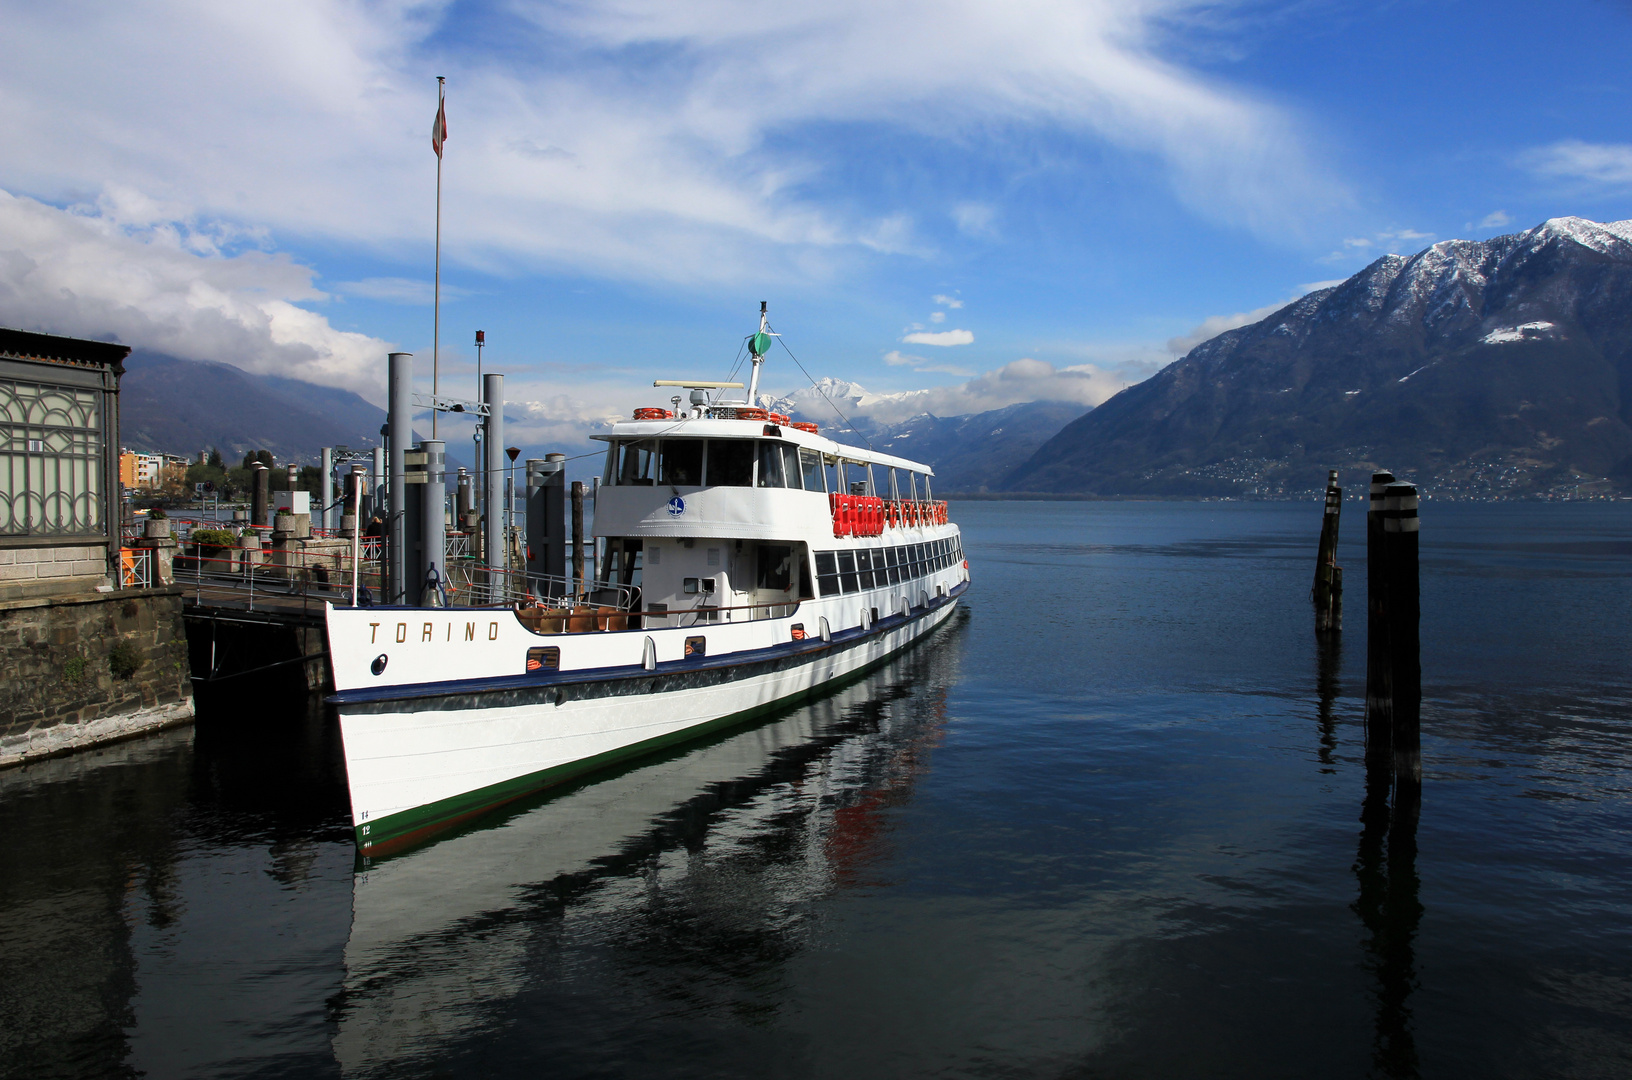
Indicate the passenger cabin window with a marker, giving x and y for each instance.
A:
(827, 572)
(635, 461)
(682, 464)
(810, 463)
(847, 571)
(730, 463)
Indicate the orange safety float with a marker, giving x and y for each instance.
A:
(752, 413)
(653, 414)
(777, 418)
(802, 426)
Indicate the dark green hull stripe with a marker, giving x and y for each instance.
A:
(406, 828)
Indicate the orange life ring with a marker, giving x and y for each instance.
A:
(802, 426)
(653, 414)
(752, 413)
(776, 418)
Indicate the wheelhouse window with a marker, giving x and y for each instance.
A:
(770, 465)
(730, 463)
(682, 463)
(636, 461)
(810, 463)
(790, 466)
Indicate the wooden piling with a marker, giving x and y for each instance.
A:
(578, 536)
(1379, 700)
(1328, 590)
(1403, 608)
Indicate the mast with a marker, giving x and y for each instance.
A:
(440, 133)
(758, 345)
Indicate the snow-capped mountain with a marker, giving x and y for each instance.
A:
(1494, 367)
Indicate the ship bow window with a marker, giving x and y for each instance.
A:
(730, 463)
(682, 464)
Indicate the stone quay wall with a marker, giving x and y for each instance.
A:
(90, 668)
(43, 571)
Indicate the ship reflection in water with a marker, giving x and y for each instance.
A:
(687, 879)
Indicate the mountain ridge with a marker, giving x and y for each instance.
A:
(1482, 367)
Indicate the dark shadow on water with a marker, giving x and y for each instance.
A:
(1386, 869)
(1328, 685)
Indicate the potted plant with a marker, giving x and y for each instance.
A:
(211, 548)
(157, 526)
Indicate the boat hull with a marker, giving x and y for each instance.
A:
(425, 758)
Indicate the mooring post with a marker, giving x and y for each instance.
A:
(325, 486)
(1402, 605)
(578, 537)
(1379, 700)
(261, 496)
(399, 424)
(1328, 591)
(493, 485)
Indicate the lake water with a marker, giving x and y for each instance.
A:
(1106, 823)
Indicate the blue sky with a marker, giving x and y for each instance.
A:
(1087, 187)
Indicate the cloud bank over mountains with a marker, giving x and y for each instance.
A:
(128, 269)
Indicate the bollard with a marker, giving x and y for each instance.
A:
(1328, 589)
(578, 537)
(1379, 701)
(1403, 609)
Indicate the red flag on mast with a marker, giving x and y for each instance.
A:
(439, 128)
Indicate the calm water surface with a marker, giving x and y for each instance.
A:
(1107, 823)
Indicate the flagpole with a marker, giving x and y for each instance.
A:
(436, 295)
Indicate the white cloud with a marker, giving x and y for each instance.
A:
(947, 301)
(974, 219)
(1018, 381)
(1217, 324)
(943, 337)
(576, 147)
(1599, 164)
(1386, 239)
(1315, 286)
(896, 358)
(1496, 219)
(396, 290)
(937, 317)
(127, 270)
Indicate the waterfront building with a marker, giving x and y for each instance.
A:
(93, 650)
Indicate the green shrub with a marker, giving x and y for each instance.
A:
(124, 660)
(73, 669)
(214, 537)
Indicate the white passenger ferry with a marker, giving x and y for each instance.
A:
(749, 561)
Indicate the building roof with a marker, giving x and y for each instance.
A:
(57, 349)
